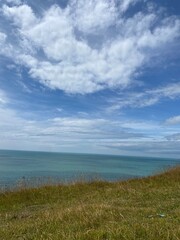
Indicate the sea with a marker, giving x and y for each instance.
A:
(29, 168)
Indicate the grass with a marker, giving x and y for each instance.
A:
(143, 209)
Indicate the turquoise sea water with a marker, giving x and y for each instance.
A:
(65, 167)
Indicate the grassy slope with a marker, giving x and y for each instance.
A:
(99, 210)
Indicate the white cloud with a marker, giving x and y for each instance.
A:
(91, 16)
(173, 120)
(84, 134)
(71, 61)
(146, 98)
(3, 98)
(6, 49)
(171, 91)
(125, 4)
(22, 16)
(14, 2)
(58, 134)
(2, 38)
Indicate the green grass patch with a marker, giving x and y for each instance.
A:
(147, 209)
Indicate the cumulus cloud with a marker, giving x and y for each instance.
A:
(22, 16)
(124, 5)
(91, 16)
(87, 46)
(6, 49)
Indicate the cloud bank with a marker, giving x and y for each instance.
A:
(88, 45)
(79, 134)
(87, 134)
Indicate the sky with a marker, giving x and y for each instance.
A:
(90, 76)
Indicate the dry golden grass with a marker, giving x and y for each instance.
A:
(142, 209)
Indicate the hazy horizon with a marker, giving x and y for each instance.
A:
(88, 153)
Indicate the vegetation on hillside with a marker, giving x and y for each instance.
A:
(141, 209)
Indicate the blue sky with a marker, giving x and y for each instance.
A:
(95, 76)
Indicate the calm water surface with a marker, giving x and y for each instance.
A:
(65, 167)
